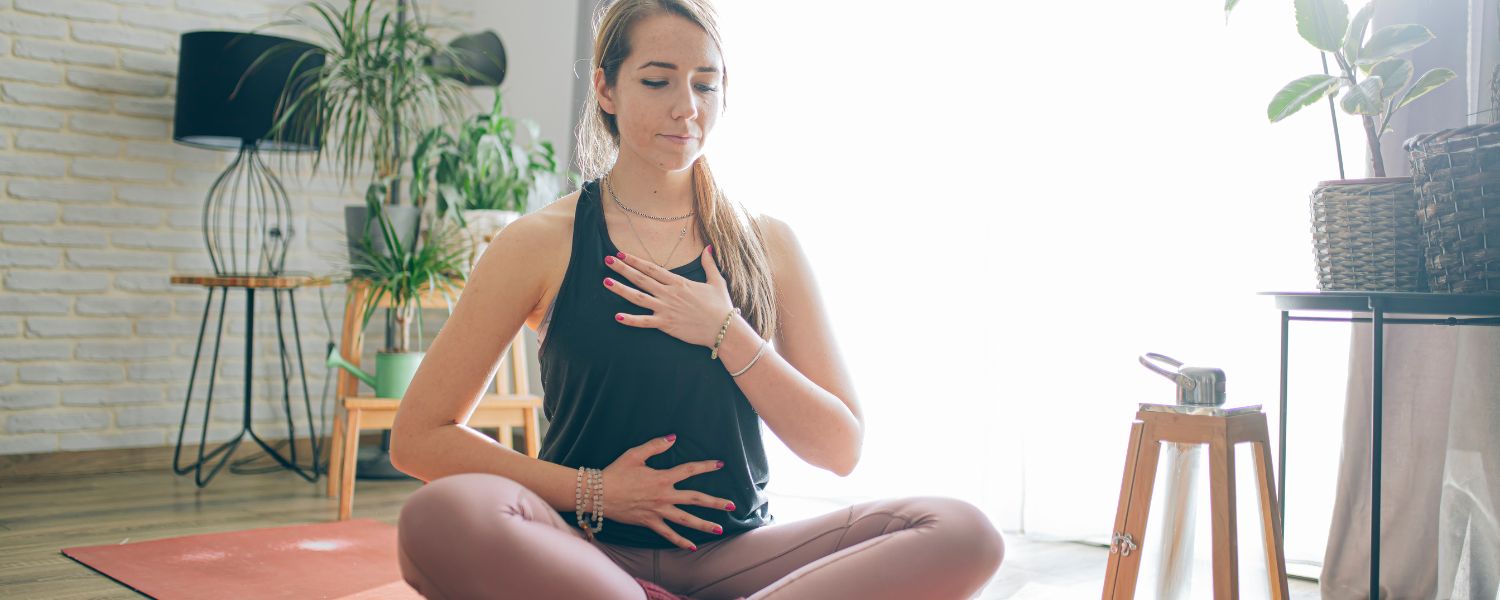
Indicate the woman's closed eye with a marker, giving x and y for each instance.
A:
(705, 88)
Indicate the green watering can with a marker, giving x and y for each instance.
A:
(393, 371)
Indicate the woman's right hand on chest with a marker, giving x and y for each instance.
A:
(640, 495)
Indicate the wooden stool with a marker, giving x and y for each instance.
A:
(1221, 429)
(511, 405)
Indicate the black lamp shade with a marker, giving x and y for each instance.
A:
(209, 68)
(482, 54)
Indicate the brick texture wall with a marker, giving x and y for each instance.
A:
(98, 208)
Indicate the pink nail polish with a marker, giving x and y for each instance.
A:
(609, 282)
(693, 549)
(719, 465)
(729, 506)
(619, 317)
(719, 530)
(710, 248)
(609, 260)
(620, 255)
(671, 437)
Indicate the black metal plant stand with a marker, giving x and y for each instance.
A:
(1476, 309)
(277, 285)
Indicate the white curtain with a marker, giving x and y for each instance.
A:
(1007, 202)
(1440, 537)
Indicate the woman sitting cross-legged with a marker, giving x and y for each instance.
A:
(656, 372)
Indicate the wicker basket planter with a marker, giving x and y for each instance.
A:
(1366, 236)
(1457, 177)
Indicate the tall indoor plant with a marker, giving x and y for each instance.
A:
(1365, 231)
(384, 81)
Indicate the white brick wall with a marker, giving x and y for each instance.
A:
(98, 207)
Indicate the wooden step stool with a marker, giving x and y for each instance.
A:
(1221, 429)
(511, 405)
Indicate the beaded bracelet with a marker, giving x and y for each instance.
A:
(596, 487)
(598, 501)
(722, 329)
(578, 498)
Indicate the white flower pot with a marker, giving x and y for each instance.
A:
(483, 225)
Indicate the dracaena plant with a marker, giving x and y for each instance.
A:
(1372, 80)
(385, 79)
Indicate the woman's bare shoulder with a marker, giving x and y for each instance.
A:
(550, 224)
(777, 235)
(533, 251)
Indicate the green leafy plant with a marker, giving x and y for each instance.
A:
(435, 262)
(1381, 91)
(483, 165)
(384, 81)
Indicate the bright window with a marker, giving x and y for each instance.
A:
(1007, 202)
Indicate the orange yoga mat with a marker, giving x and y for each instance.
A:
(344, 559)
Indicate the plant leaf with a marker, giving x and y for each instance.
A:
(1229, 6)
(1298, 94)
(1394, 74)
(1322, 23)
(1427, 82)
(1364, 98)
(1355, 36)
(1392, 40)
(375, 91)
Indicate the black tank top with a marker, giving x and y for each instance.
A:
(609, 387)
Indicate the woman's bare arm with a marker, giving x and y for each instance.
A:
(430, 438)
(800, 386)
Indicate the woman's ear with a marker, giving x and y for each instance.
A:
(602, 92)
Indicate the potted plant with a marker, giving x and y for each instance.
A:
(383, 82)
(400, 277)
(1365, 231)
(483, 175)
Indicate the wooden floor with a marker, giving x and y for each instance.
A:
(40, 517)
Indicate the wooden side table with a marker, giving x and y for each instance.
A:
(277, 285)
(511, 404)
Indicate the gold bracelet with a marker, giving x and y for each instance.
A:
(723, 328)
(752, 360)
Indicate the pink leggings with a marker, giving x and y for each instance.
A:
(478, 535)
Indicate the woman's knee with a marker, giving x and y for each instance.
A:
(443, 513)
(472, 534)
(967, 530)
(457, 496)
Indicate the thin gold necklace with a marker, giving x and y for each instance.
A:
(609, 183)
